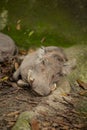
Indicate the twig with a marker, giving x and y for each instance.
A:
(68, 102)
(30, 102)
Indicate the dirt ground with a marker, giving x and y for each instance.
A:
(15, 100)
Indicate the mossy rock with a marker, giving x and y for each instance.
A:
(23, 121)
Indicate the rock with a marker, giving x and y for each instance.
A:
(41, 70)
(7, 47)
(63, 87)
(78, 53)
(69, 66)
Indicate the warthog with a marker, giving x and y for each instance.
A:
(41, 69)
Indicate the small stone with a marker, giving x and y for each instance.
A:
(55, 125)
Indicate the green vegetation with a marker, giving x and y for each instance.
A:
(44, 23)
(24, 40)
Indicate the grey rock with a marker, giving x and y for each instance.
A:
(7, 47)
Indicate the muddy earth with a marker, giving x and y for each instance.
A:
(63, 109)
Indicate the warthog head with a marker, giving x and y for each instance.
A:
(47, 70)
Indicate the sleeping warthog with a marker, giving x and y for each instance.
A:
(41, 69)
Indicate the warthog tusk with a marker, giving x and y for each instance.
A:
(53, 87)
(31, 79)
(29, 74)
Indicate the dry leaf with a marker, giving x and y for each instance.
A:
(66, 127)
(19, 21)
(34, 124)
(53, 129)
(18, 26)
(79, 126)
(82, 84)
(23, 52)
(83, 93)
(31, 50)
(43, 39)
(13, 113)
(4, 79)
